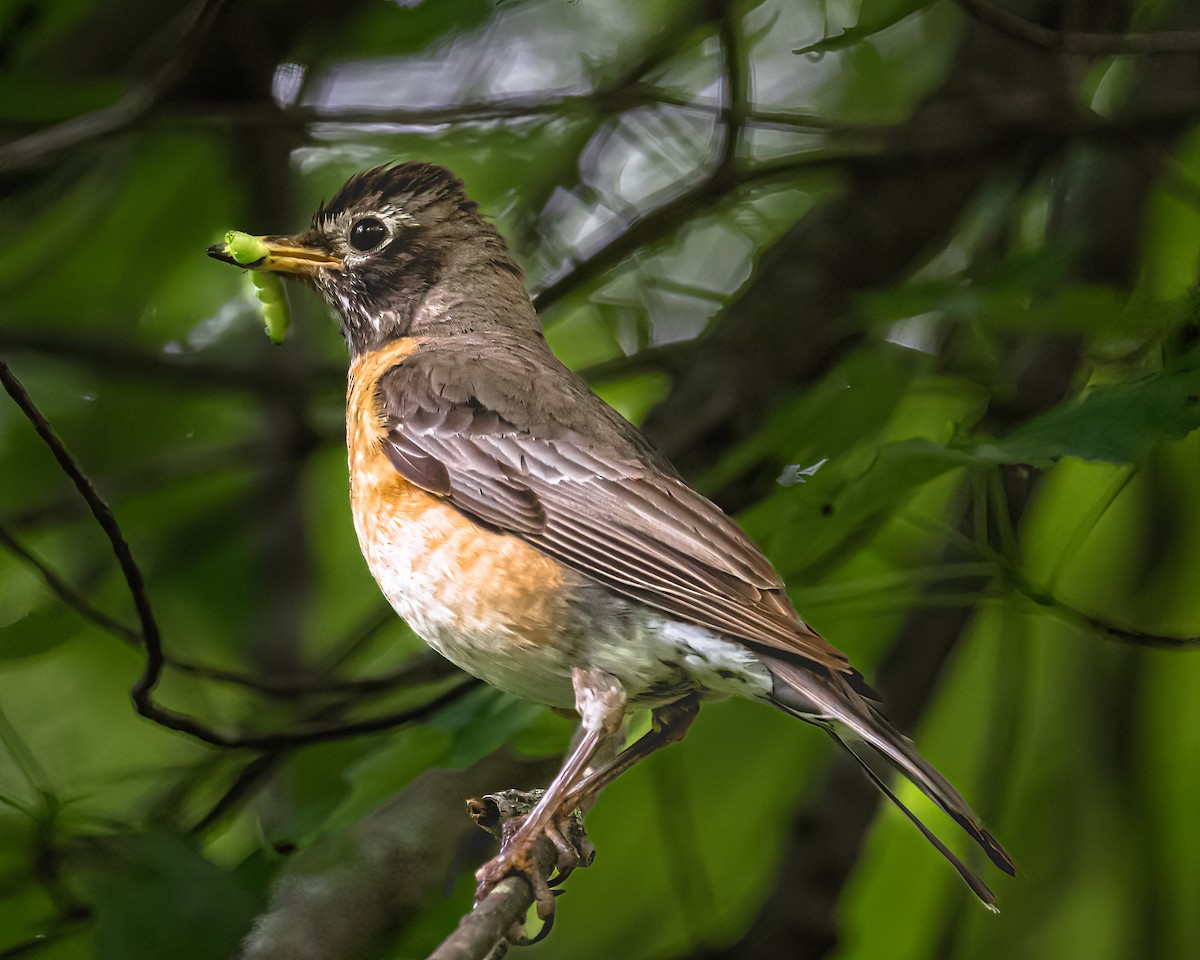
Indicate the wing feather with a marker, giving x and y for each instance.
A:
(512, 449)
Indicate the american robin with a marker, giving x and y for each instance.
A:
(533, 536)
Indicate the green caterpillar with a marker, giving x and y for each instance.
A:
(246, 249)
(272, 304)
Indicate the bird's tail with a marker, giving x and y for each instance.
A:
(836, 706)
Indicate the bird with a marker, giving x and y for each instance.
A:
(533, 536)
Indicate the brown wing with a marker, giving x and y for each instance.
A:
(512, 438)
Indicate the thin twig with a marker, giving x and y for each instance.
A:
(151, 637)
(243, 785)
(496, 111)
(261, 767)
(735, 85)
(661, 358)
(887, 147)
(1082, 43)
(1011, 576)
(639, 232)
(128, 360)
(66, 593)
(66, 927)
(422, 668)
(1138, 638)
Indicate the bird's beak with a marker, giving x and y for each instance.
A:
(289, 255)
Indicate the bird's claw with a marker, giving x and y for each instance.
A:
(570, 843)
(515, 863)
(503, 815)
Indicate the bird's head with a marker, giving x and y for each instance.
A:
(402, 251)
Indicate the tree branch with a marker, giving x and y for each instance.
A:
(127, 360)
(1082, 43)
(482, 930)
(35, 149)
(482, 934)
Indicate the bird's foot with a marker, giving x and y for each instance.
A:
(559, 847)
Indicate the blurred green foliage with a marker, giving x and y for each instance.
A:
(995, 449)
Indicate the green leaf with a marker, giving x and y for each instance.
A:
(333, 785)
(1006, 301)
(37, 632)
(548, 735)
(801, 524)
(315, 784)
(154, 895)
(394, 29)
(1116, 423)
(482, 722)
(874, 17)
(864, 389)
(380, 775)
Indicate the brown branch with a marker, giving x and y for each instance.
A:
(483, 929)
(392, 866)
(1082, 43)
(483, 933)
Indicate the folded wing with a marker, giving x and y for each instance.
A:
(511, 449)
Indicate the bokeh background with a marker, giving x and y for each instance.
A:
(904, 284)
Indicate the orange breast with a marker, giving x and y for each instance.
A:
(469, 592)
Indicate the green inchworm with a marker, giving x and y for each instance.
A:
(246, 249)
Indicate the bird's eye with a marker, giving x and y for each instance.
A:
(367, 234)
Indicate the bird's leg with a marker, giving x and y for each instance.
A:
(600, 702)
(668, 725)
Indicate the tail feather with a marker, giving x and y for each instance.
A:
(978, 887)
(831, 704)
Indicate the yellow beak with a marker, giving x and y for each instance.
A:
(283, 255)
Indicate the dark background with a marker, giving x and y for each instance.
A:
(907, 285)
